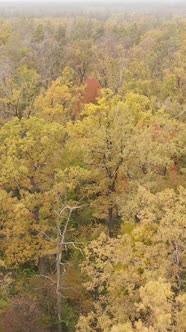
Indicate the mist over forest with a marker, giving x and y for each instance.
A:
(92, 166)
(60, 8)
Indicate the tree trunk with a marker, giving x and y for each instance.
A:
(58, 275)
(42, 265)
(110, 221)
(60, 244)
(58, 290)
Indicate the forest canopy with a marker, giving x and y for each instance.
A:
(92, 168)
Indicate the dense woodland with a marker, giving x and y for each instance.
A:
(92, 171)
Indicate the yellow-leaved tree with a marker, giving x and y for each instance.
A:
(30, 153)
(61, 101)
(123, 144)
(137, 280)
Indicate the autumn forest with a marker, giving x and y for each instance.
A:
(93, 169)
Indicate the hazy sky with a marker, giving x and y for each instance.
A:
(168, 2)
(92, 1)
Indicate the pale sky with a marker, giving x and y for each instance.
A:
(30, 2)
(91, 1)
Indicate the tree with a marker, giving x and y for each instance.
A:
(137, 277)
(30, 154)
(110, 65)
(61, 102)
(62, 244)
(121, 145)
(35, 199)
(18, 93)
(79, 58)
(5, 32)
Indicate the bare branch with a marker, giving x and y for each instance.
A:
(47, 277)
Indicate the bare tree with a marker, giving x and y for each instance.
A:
(63, 217)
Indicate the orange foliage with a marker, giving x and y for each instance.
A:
(92, 90)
